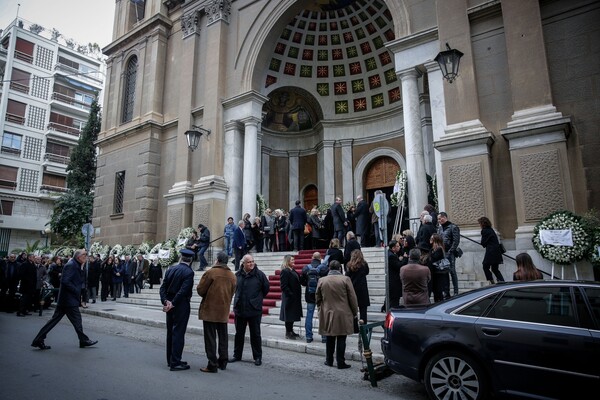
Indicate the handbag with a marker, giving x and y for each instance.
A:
(442, 265)
(502, 248)
(458, 252)
(355, 324)
(307, 229)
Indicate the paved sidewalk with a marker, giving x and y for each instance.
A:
(272, 335)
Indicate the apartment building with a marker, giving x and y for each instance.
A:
(46, 88)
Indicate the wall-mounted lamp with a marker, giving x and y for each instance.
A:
(193, 136)
(449, 61)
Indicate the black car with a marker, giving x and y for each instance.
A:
(537, 339)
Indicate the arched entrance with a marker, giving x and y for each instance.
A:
(310, 197)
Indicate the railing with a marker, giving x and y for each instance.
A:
(93, 74)
(15, 119)
(70, 101)
(19, 87)
(11, 185)
(64, 129)
(51, 188)
(23, 57)
(56, 158)
(11, 150)
(209, 252)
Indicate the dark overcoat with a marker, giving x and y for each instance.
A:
(489, 240)
(291, 295)
(359, 282)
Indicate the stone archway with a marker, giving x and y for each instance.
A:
(310, 197)
(361, 169)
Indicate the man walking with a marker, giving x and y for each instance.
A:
(203, 242)
(175, 296)
(309, 278)
(69, 300)
(142, 270)
(239, 244)
(216, 287)
(251, 288)
(298, 219)
(362, 221)
(339, 220)
(451, 235)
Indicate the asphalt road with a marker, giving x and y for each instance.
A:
(129, 362)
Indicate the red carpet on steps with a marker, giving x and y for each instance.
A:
(301, 259)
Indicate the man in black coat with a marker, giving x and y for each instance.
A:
(9, 284)
(362, 220)
(175, 296)
(251, 288)
(451, 235)
(351, 245)
(27, 285)
(339, 220)
(203, 243)
(298, 219)
(69, 300)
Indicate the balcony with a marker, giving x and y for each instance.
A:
(10, 185)
(60, 100)
(93, 77)
(10, 151)
(23, 57)
(64, 131)
(57, 159)
(15, 119)
(53, 189)
(19, 87)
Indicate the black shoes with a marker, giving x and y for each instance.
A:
(182, 362)
(40, 345)
(343, 366)
(209, 370)
(258, 362)
(20, 314)
(309, 340)
(223, 365)
(234, 359)
(180, 367)
(328, 364)
(291, 336)
(87, 343)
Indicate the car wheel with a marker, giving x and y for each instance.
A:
(455, 376)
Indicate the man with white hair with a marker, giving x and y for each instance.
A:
(425, 231)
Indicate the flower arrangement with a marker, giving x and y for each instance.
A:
(128, 250)
(591, 222)
(347, 206)
(155, 249)
(185, 233)
(65, 252)
(144, 248)
(261, 204)
(170, 245)
(399, 195)
(104, 251)
(324, 207)
(563, 255)
(96, 247)
(116, 251)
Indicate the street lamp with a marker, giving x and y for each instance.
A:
(193, 136)
(449, 61)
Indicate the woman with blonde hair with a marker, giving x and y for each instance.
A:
(526, 270)
(358, 269)
(439, 278)
(291, 296)
(334, 251)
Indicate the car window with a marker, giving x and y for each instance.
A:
(478, 308)
(593, 295)
(546, 305)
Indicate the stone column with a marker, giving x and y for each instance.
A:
(265, 167)
(413, 137)
(438, 122)
(250, 165)
(293, 170)
(325, 172)
(233, 165)
(347, 170)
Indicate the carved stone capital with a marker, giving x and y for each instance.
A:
(218, 10)
(189, 23)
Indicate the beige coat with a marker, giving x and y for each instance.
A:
(337, 304)
(216, 287)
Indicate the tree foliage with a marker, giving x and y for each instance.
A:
(74, 208)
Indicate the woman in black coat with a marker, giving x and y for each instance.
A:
(493, 254)
(394, 282)
(291, 297)
(106, 277)
(358, 269)
(439, 279)
(155, 273)
(334, 251)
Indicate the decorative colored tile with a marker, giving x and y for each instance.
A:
(374, 81)
(302, 25)
(312, 26)
(306, 14)
(323, 26)
(310, 40)
(275, 65)
(280, 48)
(371, 28)
(323, 71)
(388, 15)
(371, 64)
(289, 69)
(390, 76)
(335, 39)
(394, 95)
(286, 34)
(389, 35)
(323, 55)
(381, 23)
(323, 89)
(371, 10)
(377, 101)
(297, 37)
(360, 104)
(293, 52)
(333, 26)
(348, 38)
(385, 58)
(341, 107)
(378, 5)
(306, 71)
(355, 68)
(307, 54)
(351, 52)
(337, 54)
(344, 24)
(323, 40)
(339, 70)
(365, 48)
(354, 21)
(363, 16)
(270, 80)
(341, 88)
(358, 85)
(378, 42)
(360, 33)
(293, 22)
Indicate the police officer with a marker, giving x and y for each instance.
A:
(175, 295)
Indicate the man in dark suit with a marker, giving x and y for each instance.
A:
(298, 219)
(362, 221)
(203, 243)
(27, 284)
(339, 220)
(175, 295)
(239, 244)
(69, 300)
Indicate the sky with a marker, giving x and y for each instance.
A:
(84, 21)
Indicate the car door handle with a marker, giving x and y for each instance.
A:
(491, 331)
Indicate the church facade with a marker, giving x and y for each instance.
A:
(315, 99)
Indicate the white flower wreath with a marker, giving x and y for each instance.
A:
(563, 255)
(173, 251)
(185, 233)
(144, 248)
(128, 250)
(399, 195)
(116, 251)
(96, 247)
